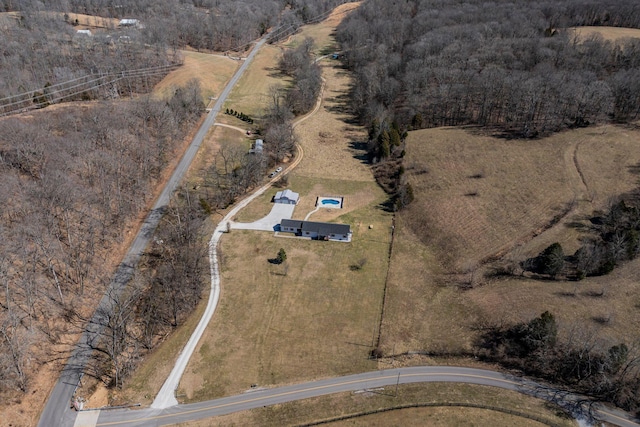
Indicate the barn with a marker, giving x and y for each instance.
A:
(287, 197)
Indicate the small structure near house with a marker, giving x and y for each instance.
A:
(129, 23)
(257, 147)
(317, 230)
(286, 197)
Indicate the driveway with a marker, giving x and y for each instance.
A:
(271, 222)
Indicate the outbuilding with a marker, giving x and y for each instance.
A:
(287, 197)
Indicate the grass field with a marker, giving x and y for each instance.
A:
(607, 33)
(212, 71)
(477, 196)
(251, 94)
(345, 404)
(317, 317)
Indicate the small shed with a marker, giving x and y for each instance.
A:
(287, 197)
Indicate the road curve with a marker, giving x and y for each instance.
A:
(57, 409)
(578, 405)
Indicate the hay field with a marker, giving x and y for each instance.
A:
(607, 33)
(251, 94)
(211, 70)
(322, 33)
(519, 187)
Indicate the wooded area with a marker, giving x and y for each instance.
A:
(77, 174)
(505, 65)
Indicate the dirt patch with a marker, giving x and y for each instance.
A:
(607, 33)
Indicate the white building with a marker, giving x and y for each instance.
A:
(287, 197)
(129, 23)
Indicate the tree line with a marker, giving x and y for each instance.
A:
(566, 354)
(73, 180)
(509, 66)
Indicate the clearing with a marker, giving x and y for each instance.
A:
(211, 70)
(480, 198)
(607, 33)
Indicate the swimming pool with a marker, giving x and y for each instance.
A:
(330, 202)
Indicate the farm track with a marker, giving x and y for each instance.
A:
(583, 195)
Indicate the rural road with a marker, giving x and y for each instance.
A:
(57, 410)
(578, 406)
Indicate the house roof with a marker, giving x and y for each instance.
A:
(322, 228)
(287, 194)
(128, 21)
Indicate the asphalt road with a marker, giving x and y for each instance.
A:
(579, 406)
(57, 410)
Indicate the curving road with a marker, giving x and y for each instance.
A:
(57, 409)
(578, 406)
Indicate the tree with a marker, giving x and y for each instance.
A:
(281, 257)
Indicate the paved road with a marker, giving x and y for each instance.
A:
(57, 410)
(577, 405)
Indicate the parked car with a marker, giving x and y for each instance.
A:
(279, 169)
(272, 174)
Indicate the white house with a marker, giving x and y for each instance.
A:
(129, 23)
(287, 197)
(317, 230)
(258, 146)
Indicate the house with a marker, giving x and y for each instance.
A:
(84, 32)
(257, 146)
(317, 230)
(129, 23)
(287, 197)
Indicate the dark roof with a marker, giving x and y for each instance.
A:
(295, 223)
(322, 228)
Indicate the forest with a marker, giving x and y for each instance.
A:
(503, 65)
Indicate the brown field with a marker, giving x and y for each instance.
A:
(211, 70)
(322, 33)
(251, 94)
(84, 21)
(520, 186)
(607, 33)
(346, 404)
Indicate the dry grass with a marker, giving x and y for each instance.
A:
(212, 71)
(322, 33)
(329, 140)
(84, 21)
(607, 33)
(274, 326)
(251, 94)
(328, 407)
(520, 186)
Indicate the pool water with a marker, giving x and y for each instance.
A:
(330, 202)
